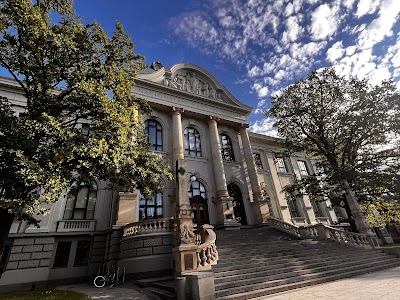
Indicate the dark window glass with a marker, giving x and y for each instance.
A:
(226, 148)
(154, 134)
(196, 188)
(257, 160)
(316, 205)
(151, 208)
(293, 208)
(62, 255)
(81, 205)
(302, 168)
(82, 253)
(191, 140)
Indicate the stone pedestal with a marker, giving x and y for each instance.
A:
(200, 286)
(225, 214)
(126, 208)
(260, 211)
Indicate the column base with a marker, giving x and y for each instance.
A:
(225, 213)
(261, 211)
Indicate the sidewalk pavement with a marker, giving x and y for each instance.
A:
(383, 285)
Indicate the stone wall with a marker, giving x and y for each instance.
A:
(145, 245)
(30, 253)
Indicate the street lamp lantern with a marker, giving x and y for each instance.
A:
(193, 178)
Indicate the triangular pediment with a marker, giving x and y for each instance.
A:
(192, 79)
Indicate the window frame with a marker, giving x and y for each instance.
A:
(191, 188)
(293, 207)
(145, 205)
(75, 209)
(59, 266)
(155, 129)
(281, 166)
(317, 209)
(303, 171)
(226, 146)
(189, 132)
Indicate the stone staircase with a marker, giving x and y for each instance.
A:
(263, 261)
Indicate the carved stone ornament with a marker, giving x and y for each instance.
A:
(190, 82)
(187, 235)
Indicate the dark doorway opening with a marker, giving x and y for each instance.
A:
(238, 206)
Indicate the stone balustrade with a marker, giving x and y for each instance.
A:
(325, 232)
(283, 226)
(206, 252)
(148, 226)
(76, 225)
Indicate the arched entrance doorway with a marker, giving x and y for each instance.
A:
(198, 202)
(238, 206)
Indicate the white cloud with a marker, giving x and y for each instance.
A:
(254, 71)
(365, 7)
(324, 22)
(264, 126)
(262, 91)
(335, 52)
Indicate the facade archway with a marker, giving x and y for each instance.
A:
(198, 201)
(238, 205)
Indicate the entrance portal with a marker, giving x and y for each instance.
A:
(238, 206)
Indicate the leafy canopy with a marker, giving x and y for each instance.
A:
(80, 121)
(351, 127)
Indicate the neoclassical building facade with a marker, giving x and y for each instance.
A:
(231, 176)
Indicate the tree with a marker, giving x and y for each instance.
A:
(80, 123)
(352, 129)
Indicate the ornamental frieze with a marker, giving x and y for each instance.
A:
(191, 82)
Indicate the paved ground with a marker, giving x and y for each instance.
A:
(383, 285)
(128, 291)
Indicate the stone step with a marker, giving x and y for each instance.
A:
(292, 266)
(282, 288)
(163, 294)
(276, 261)
(237, 288)
(258, 277)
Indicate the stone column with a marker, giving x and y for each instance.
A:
(185, 248)
(225, 215)
(259, 205)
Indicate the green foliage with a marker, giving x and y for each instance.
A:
(350, 127)
(80, 122)
(381, 213)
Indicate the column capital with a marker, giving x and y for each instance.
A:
(211, 118)
(176, 110)
(242, 126)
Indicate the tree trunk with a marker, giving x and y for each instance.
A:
(357, 215)
(6, 221)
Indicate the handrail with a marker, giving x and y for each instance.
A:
(206, 252)
(284, 226)
(147, 226)
(325, 232)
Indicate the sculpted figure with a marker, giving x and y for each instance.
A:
(213, 93)
(195, 85)
(204, 90)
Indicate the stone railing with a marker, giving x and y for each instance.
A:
(206, 252)
(76, 225)
(283, 226)
(325, 232)
(148, 226)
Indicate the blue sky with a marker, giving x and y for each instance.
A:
(257, 47)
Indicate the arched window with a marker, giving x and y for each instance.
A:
(151, 208)
(191, 140)
(196, 188)
(226, 148)
(80, 205)
(154, 134)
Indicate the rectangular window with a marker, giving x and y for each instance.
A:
(316, 205)
(257, 161)
(281, 165)
(62, 255)
(303, 168)
(82, 253)
(292, 205)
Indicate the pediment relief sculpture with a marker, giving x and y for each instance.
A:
(189, 81)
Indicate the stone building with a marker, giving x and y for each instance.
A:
(232, 178)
